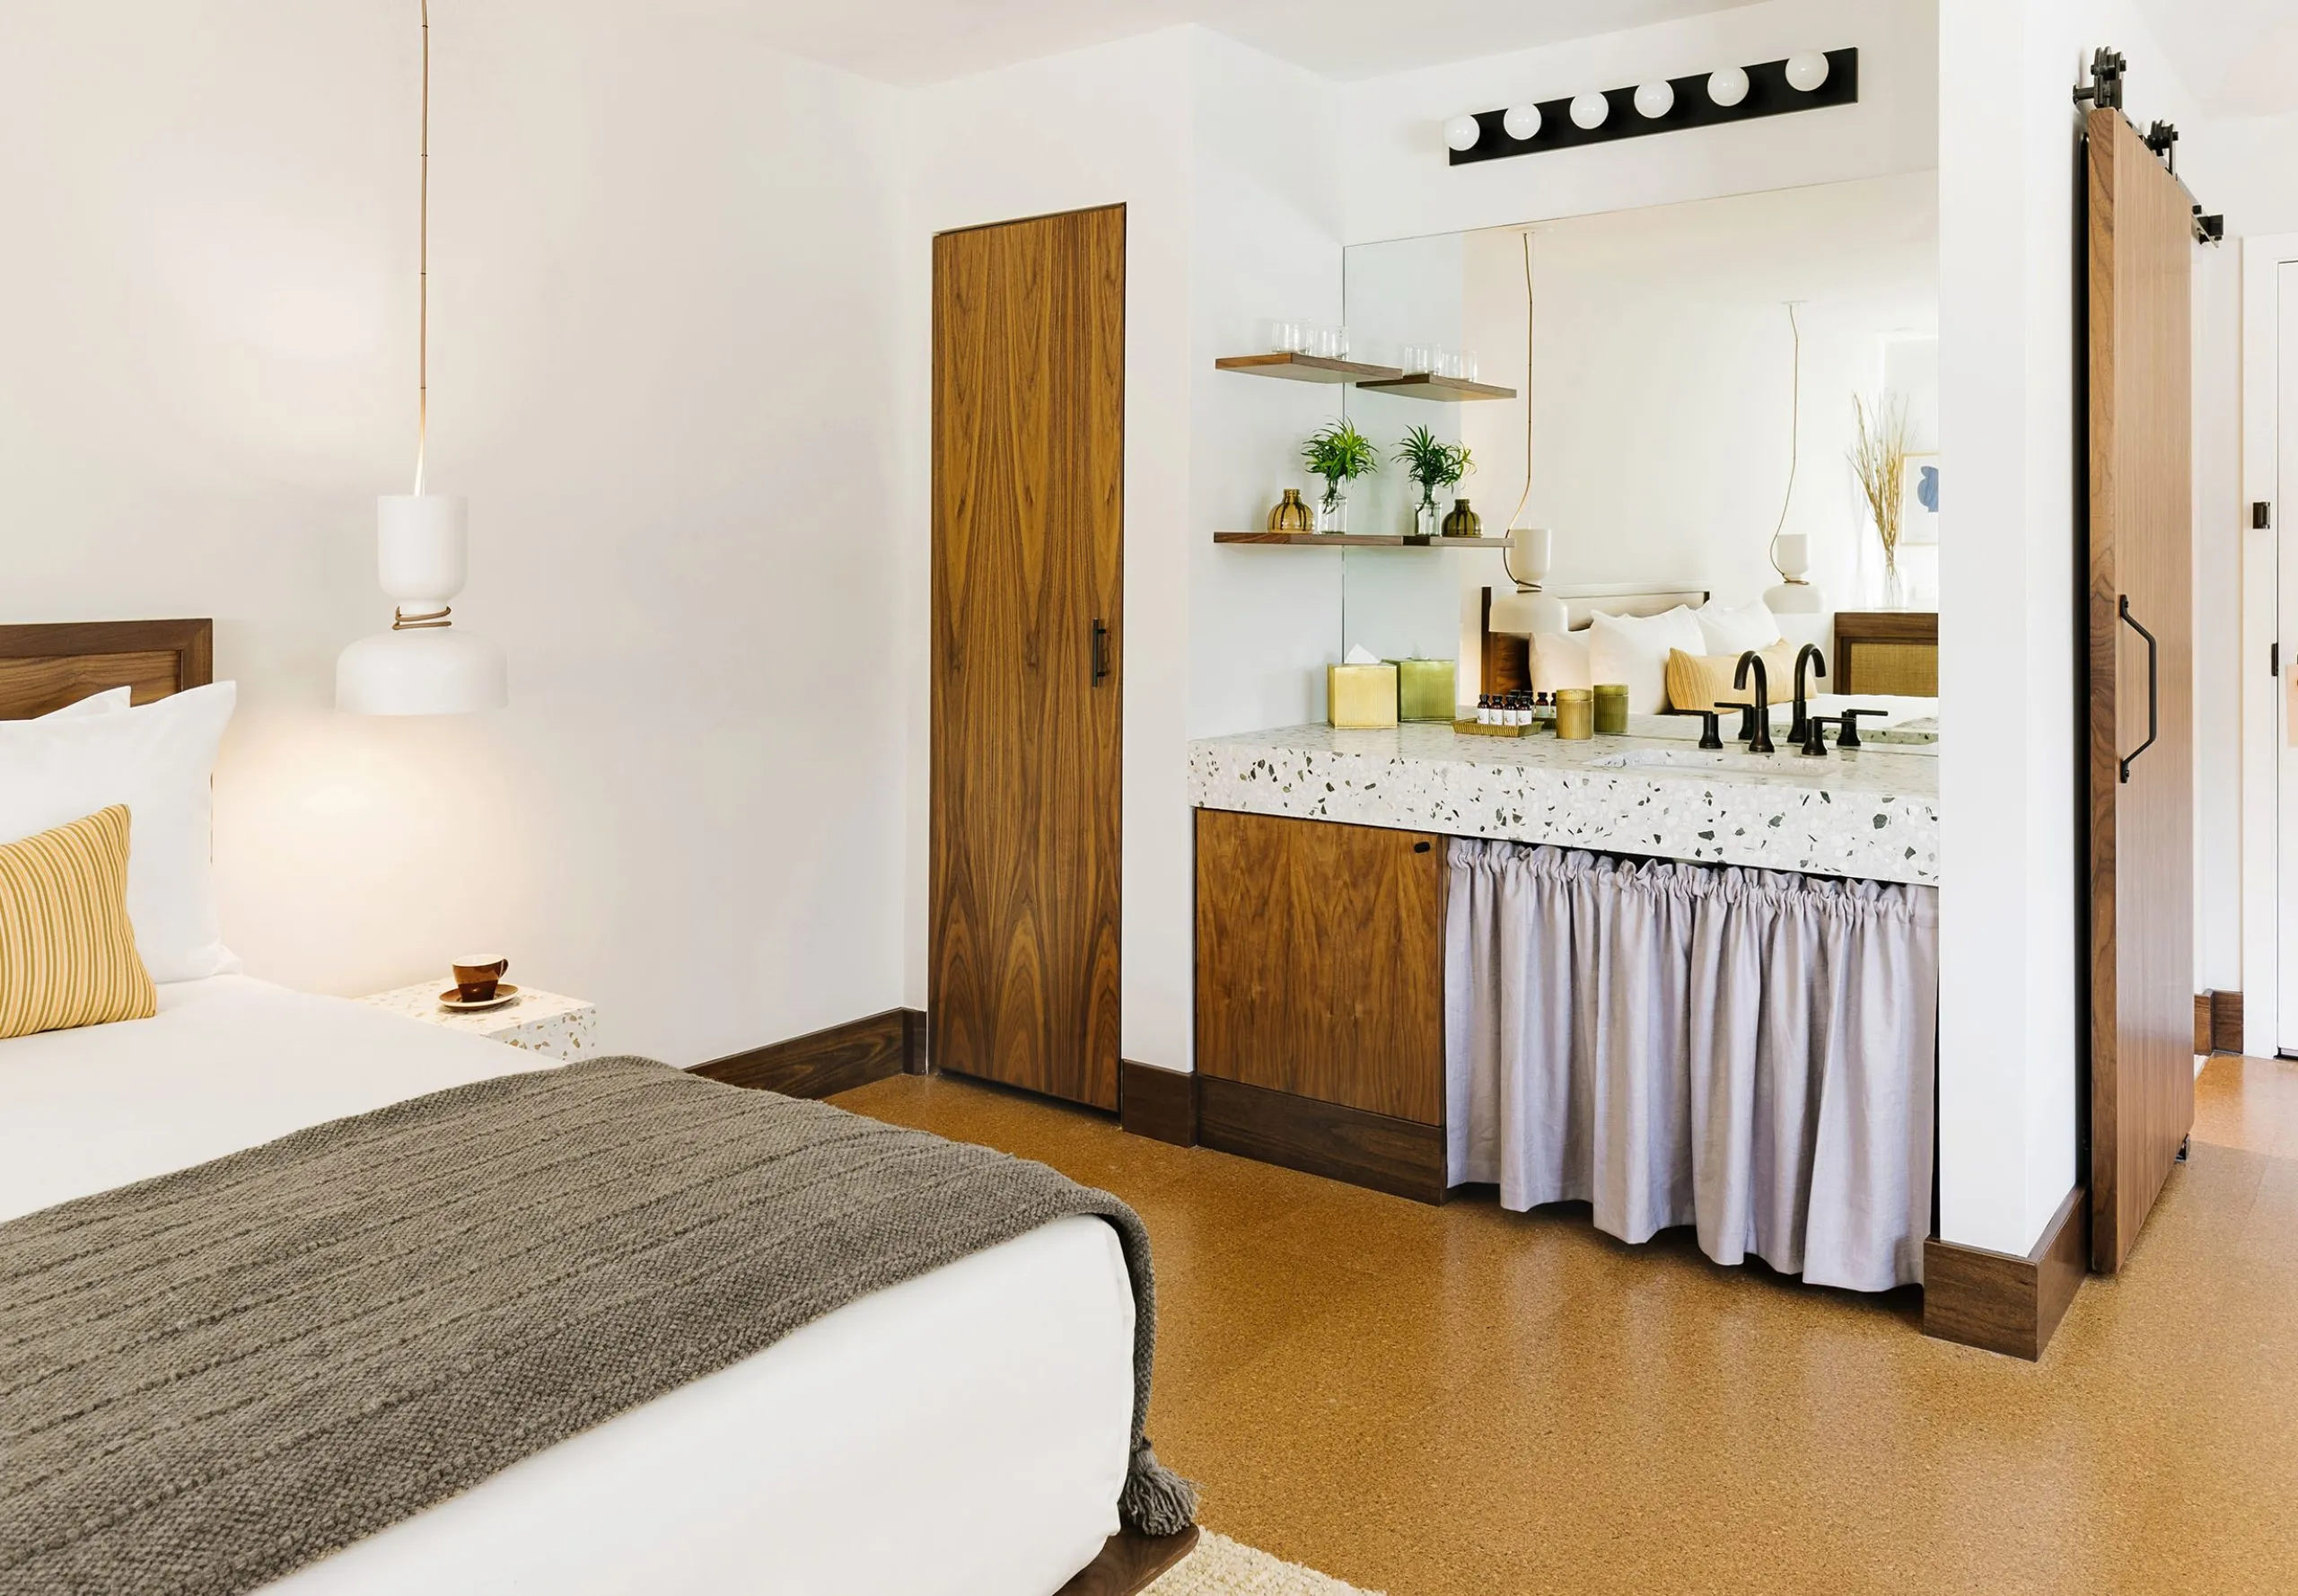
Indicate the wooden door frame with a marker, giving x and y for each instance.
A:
(2263, 260)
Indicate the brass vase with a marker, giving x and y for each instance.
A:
(1290, 515)
(1463, 521)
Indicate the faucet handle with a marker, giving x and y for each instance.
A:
(1815, 740)
(1850, 719)
(1747, 730)
(1711, 727)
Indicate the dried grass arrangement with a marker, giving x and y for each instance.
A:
(1878, 458)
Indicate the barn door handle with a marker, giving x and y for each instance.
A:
(1102, 652)
(2154, 692)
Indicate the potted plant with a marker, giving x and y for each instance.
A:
(1435, 465)
(1339, 453)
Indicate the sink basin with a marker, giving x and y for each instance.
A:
(1671, 758)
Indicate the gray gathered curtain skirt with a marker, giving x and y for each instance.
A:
(1746, 1051)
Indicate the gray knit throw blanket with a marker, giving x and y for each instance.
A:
(212, 1378)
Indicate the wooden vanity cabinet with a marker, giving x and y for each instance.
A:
(1320, 997)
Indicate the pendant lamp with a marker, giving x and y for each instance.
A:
(1530, 554)
(1791, 552)
(422, 665)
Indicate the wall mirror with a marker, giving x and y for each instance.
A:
(1681, 362)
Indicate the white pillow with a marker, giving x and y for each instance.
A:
(1633, 650)
(102, 703)
(1735, 631)
(156, 759)
(1559, 660)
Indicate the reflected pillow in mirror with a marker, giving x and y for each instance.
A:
(1735, 631)
(1632, 650)
(1559, 660)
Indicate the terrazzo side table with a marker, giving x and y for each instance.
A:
(565, 1028)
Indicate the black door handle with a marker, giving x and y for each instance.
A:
(1102, 652)
(2153, 688)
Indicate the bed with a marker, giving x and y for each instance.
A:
(964, 1432)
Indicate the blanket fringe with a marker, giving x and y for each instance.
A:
(1155, 1500)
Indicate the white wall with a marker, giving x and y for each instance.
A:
(640, 230)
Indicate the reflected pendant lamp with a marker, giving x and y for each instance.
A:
(1530, 554)
(1791, 552)
(423, 665)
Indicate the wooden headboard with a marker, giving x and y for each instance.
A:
(47, 666)
(1892, 652)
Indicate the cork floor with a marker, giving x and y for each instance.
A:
(1438, 1401)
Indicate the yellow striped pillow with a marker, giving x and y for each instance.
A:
(67, 950)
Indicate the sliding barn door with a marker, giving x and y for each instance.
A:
(1028, 478)
(2141, 684)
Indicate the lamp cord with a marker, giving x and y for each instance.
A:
(423, 271)
(1527, 496)
(1794, 439)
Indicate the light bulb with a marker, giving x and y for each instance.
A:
(1654, 99)
(1523, 121)
(1590, 110)
(1463, 132)
(1727, 86)
(1806, 71)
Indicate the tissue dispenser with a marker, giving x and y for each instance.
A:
(1361, 697)
(1426, 689)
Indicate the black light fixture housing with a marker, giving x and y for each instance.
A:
(1769, 94)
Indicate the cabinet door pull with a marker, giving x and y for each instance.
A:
(1101, 651)
(2154, 694)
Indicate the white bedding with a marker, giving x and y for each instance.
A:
(964, 1432)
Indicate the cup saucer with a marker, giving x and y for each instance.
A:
(451, 998)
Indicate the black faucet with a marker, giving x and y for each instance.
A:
(1760, 712)
(1799, 729)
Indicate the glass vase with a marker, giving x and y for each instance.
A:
(1332, 513)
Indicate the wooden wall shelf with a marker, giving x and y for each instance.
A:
(1356, 541)
(1421, 385)
(1306, 368)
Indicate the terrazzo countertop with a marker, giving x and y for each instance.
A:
(1872, 813)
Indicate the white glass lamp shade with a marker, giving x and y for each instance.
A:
(1528, 611)
(422, 549)
(1806, 71)
(1590, 110)
(1654, 99)
(435, 671)
(1727, 86)
(1796, 595)
(422, 666)
(1794, 555)
(1461, 133)
(1523, 121)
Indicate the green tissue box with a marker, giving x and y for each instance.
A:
(1426, 689)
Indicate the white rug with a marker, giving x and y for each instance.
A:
(1219, 1566)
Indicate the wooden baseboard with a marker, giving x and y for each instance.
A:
(1159, 1104)
(2217, 1021)
(2004, 1302)
(1301, 1133)
(1129, 1562)
(831, 1061)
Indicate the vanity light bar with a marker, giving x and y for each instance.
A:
(1574, 121)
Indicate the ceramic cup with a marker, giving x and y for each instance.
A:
(476, 977)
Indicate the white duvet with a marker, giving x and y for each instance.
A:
(962, 1434)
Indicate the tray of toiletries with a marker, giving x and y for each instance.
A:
(1507, 715)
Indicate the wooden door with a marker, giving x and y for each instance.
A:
(1321, 961)
(2141, 683)
(1028, 478)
